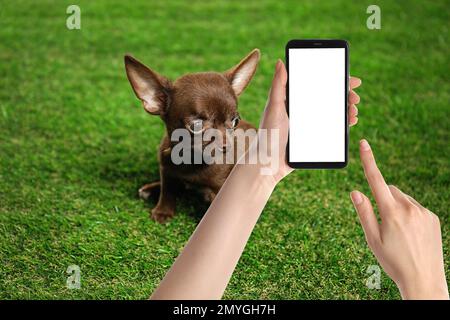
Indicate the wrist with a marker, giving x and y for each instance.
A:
(257, 175)
(424, 290)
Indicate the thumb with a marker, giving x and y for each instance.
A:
(278, 90)
(367, 217)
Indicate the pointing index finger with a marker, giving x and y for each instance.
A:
(380, 189)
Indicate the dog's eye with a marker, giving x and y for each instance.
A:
(235, 121)
(196, 126)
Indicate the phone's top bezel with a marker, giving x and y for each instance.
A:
(319, 43)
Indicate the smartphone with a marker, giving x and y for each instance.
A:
(316, 102)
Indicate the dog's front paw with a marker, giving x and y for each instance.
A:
(162, 215)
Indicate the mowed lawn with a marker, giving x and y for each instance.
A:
(75, 144)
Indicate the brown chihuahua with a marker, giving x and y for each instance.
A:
(208, 96)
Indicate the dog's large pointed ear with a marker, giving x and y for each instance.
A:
(150, 87)
(241, 74)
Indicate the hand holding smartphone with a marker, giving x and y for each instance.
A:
(316, 101)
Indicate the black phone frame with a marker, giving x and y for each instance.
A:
(320, 43)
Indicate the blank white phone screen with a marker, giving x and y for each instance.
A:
(317, 124)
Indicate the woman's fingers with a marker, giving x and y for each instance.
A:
(397, 193)
(400, 196)
(352, 115)
(355, 82)
(374, 177)
(414, 201)
(366, 216)
(353, 97)
(353, 110)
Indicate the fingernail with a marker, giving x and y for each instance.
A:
(356, 197)
(364, 145)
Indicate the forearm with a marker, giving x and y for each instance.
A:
(204, 268)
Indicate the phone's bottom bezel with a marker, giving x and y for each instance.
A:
(317, 165)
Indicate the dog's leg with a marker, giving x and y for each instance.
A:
(150, 190)
(165, 208)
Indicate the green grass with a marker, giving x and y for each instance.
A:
(75, 144)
